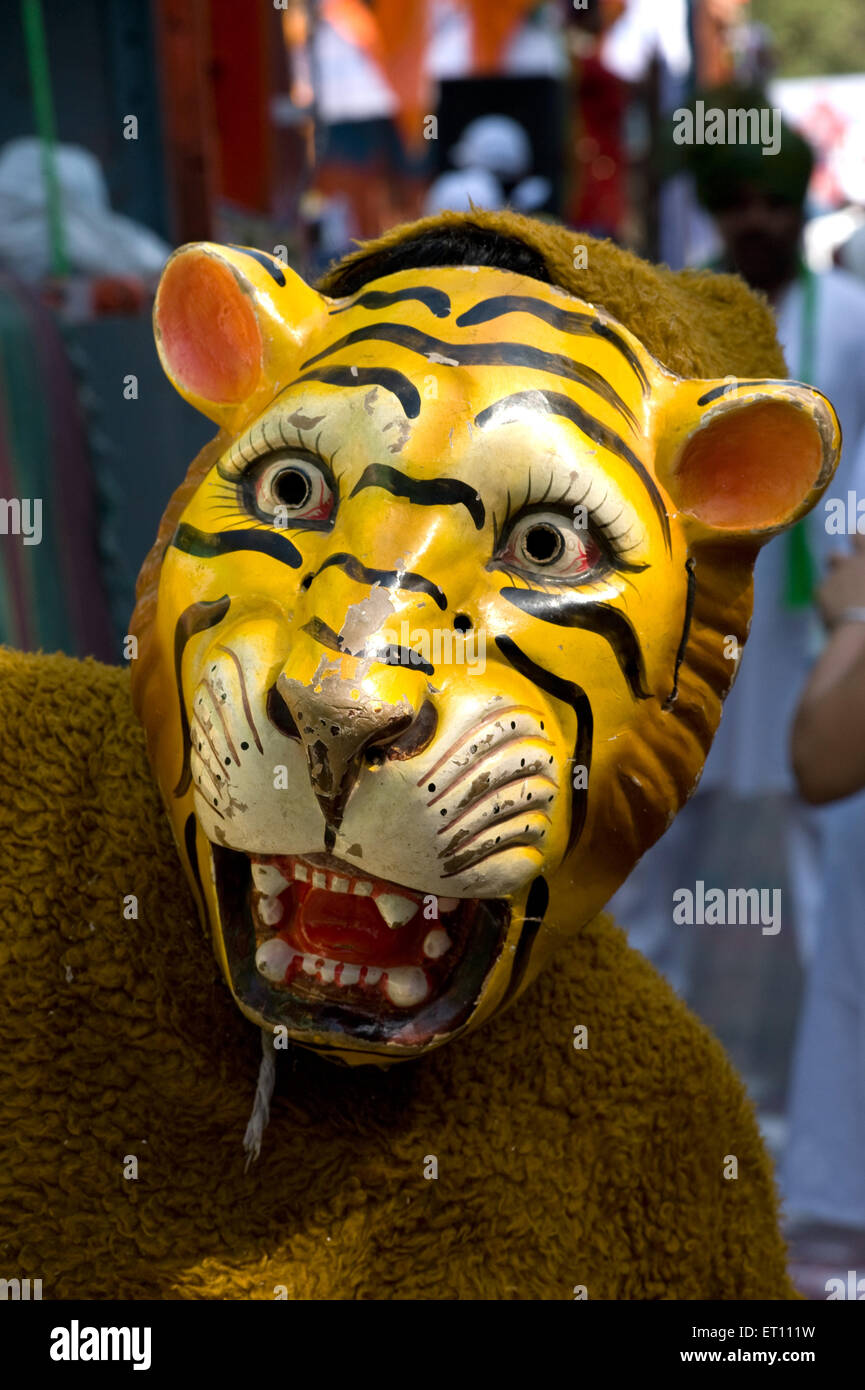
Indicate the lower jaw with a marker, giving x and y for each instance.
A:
(326, 1017)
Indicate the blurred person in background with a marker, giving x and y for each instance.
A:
(823, 1176)
(382, 70)
(598, 198)
(493, 159)
(829, 729)
(459, 190)
(758, 204)
(372, 91)
(98, 242)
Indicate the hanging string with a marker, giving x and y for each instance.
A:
(260, 1116)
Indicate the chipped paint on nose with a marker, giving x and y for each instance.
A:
(337, 721)
(365, 618)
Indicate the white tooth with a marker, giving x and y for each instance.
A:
(273, 959)
(436, 943)
(395, 910)
(268, 879)
(270, 911)
(319, 880)
(448, 904)
(310, 964)
(326, 972)
(337, 884)
(406, 985)
(373, 975)
(349, 975)
(301, 873)
(362, 887)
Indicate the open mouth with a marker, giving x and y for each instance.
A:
(317, 946)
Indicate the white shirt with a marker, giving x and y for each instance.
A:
(535, 49)
(349, 84)
(645, 28)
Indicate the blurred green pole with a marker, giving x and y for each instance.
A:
(40, 82)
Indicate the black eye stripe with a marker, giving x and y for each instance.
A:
(572, 610)
(208, 544)
(428, 492)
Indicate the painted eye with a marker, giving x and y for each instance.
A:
(288, 490)
(546, 543)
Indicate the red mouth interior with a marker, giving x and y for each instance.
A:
(329, 937)
(350, 928)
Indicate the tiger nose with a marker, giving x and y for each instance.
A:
(338, 723)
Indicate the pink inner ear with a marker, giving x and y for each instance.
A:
(751, 468)
(208, 330)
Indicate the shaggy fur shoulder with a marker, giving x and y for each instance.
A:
(127, 1075)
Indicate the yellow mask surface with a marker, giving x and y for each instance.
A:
(439, 640)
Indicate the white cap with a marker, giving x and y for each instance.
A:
(457, 191)
(79, 173)
(496, 143)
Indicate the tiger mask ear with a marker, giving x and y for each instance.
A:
(743, 460)
(229, 325)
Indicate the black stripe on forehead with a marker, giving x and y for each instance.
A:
(436, 301)
(570, 694)
(554, 403)
(571, 610)
(426, 492)
(271, 266)
(581, 324)
(728, 387)
(484, 355)
(390, 380)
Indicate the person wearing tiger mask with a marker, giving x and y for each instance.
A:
(430, 648)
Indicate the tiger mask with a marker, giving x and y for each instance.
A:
(436, 634)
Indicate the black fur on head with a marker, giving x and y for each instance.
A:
(462, 244)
